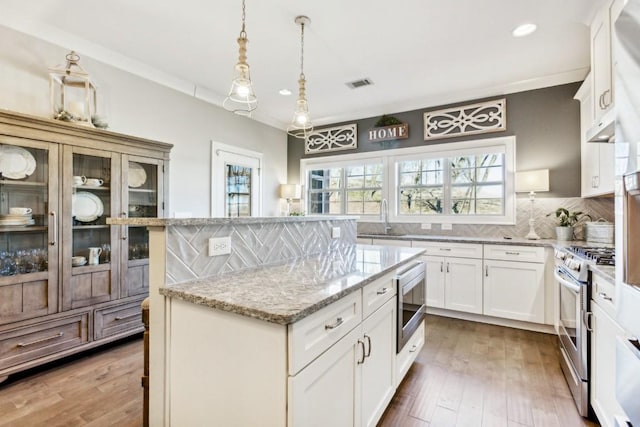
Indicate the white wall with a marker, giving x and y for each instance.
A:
(142, 108)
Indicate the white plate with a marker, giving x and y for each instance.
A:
(17, 222)
(137, 175)
(16, 162)
(86, 207)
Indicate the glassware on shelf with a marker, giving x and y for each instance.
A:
(106, 253)
(23, 261)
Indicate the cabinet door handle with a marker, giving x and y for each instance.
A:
(369, 342)
(441, 266)
(512, 253)
(339, 322)
(54, 222)
(447, 267)
(586, 318)
(601, 101)
(604, 98)
(124, 214)
(446, 249)
(361, 361)
(486, 271)
(383, 291)
(413, 348)
(53, 337)
(129, 316)
(605, 296)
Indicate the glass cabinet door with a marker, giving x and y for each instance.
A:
(142, 198)
(91, 182)
(28, 229)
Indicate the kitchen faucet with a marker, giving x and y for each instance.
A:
(384, 215)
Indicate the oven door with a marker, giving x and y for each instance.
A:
(572, 328)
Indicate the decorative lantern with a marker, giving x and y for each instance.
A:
(73, 94)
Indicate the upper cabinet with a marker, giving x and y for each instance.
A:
(597, 159)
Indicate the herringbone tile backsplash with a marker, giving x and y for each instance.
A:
(253, 245)
(597, 208)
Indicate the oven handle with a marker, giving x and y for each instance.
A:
(564, 282)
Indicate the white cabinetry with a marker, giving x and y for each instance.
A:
(601, 63)
(603, 352)
(351, 383)
(514, 282)
(454, 275)
(597, 159)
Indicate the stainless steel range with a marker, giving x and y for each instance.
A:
(572, 274)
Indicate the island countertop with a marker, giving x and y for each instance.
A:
(290, 291)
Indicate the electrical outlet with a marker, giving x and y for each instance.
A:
(335, 232)
(426, 226)
(219, 246)
(447, 226)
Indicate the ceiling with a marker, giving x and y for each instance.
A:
(418, 53)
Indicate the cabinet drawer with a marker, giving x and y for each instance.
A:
(409, 352)
(314, 334)
(375, 294)
(604, 293)
(117, 319)
(460, 250)
(514, 253)
(32, 342)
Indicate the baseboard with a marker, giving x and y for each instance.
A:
(535, 327)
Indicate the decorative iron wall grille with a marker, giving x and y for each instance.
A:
(483, 117)
(332, 139)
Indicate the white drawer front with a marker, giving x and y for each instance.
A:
(391, 242)
(604, 294)
(376, 293)
(460, 250)
(314, 334)
(409, 352)
(514, 253)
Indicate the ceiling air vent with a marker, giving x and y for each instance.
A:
(359, 83)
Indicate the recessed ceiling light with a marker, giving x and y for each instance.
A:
(284, 92)
(524, 30)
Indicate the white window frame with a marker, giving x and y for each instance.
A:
(505, 144)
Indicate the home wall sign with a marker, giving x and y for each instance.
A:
(332, 139)
(483, 117)
(389, 133)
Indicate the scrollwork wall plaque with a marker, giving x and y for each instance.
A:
(332, 139)
(483, 117)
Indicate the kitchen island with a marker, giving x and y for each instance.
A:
(270, 340)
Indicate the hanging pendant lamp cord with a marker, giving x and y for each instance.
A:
(243, 33)
(302, 50)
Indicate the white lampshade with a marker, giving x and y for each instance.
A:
(290, 191)
(537, 180)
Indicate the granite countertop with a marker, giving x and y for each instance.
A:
(606, 271)
(521, 241)
(288, 292)
(164, 222)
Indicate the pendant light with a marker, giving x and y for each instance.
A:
(241, 98)
(301, 124)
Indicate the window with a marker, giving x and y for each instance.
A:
(353, 190)
(460, 185)
(461, 182)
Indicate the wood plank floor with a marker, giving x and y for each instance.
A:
(101, 388)
(473, 374)
(468, 374)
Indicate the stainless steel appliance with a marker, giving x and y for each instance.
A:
(572, 274)
(411, 301)
(627, 206)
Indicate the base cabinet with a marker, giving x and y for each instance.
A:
(514, 290)
(603, 367)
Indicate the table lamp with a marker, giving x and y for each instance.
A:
(290, 192)
(530, 182)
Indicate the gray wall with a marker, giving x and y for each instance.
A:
(546, 123)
